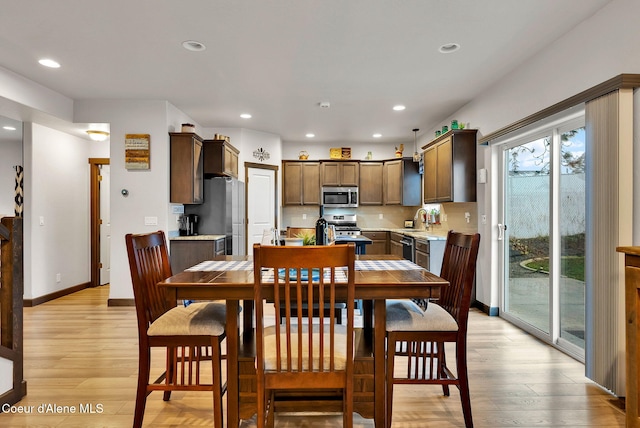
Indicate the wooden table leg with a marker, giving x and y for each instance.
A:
(233, 335)
(379, 362)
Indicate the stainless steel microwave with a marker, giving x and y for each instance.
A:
(340, 197)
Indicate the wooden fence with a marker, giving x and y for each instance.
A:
(11, 298)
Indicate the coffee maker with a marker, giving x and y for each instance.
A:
(188, 225)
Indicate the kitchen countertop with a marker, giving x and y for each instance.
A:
(414, 233)
(197, 238)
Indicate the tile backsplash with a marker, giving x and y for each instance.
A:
(393, 217)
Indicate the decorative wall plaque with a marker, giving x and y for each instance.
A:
(137, 151)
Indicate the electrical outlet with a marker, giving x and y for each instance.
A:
(151, 221)
(304, 216)
(41, 220)
(58, 277)
(380, 216)
(483, 218)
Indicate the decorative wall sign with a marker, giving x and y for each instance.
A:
(261, 154)
(137, 151)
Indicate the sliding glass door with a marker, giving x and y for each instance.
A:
(543, 230)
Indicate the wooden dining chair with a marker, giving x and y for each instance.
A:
(303, 353)
(191, 334)
(420, 335)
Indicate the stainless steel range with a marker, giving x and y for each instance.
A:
(344, 224)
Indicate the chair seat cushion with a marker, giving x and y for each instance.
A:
(404, 315)
(340, 351)
(197, 319)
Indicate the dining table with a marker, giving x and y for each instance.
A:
(377, 279)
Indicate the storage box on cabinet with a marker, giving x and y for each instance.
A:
(186, 168)
(450, 167)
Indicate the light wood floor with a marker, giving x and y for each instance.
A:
(78, 352)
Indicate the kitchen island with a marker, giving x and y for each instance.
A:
(360, 241)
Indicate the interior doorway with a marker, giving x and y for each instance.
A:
(261, 184)
(99, 220)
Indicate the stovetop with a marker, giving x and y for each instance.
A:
(344, 224)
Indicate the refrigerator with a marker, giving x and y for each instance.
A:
(222, 212)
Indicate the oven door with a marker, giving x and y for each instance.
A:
(408, 248)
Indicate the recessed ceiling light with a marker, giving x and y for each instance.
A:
(310, 135)
(245, 116)
(448, 48)
(192, 45)
(9, 128)
(49, 63)
(377, 135)
(399, 107)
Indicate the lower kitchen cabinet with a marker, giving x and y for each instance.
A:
(380, 244)
(187, 252)
(395, 246)
(422, 253)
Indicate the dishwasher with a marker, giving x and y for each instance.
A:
(408, 248)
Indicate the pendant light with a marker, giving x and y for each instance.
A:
(416, 156)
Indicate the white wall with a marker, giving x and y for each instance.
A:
(56, 192)
(602, 47)
(148, 189)
(10, 155)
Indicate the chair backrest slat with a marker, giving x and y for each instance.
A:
(458, 267)
(305, 277)
(149, 264)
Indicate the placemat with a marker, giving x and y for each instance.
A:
(223, 265)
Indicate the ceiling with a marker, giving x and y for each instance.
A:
(279, 59)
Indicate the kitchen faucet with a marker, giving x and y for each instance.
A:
(421, 215)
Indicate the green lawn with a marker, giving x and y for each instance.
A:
(573, 267)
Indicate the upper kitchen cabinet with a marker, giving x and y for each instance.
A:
(301, 183)
(220, 159)
(371, 189)
(186, 170)
(402, 182)
(450, 167)
(340, 173)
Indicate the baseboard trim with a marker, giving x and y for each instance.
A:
(27, 303)
(120, 302)
(491, 311)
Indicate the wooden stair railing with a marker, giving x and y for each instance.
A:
(11, 303)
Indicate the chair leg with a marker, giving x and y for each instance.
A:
(271, 410)
(216, 366)
(442, 364)
(463, 382)
(170, 370)
(143, 380)
(391, 353)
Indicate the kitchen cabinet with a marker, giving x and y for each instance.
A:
(450, 167)
(189, 251)
(371, 178)
(402, 182)
(186, 168)
(220, 159)
(340, 173)
(380, 241)
(422, 253)
(395, 247)
(301, 183)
